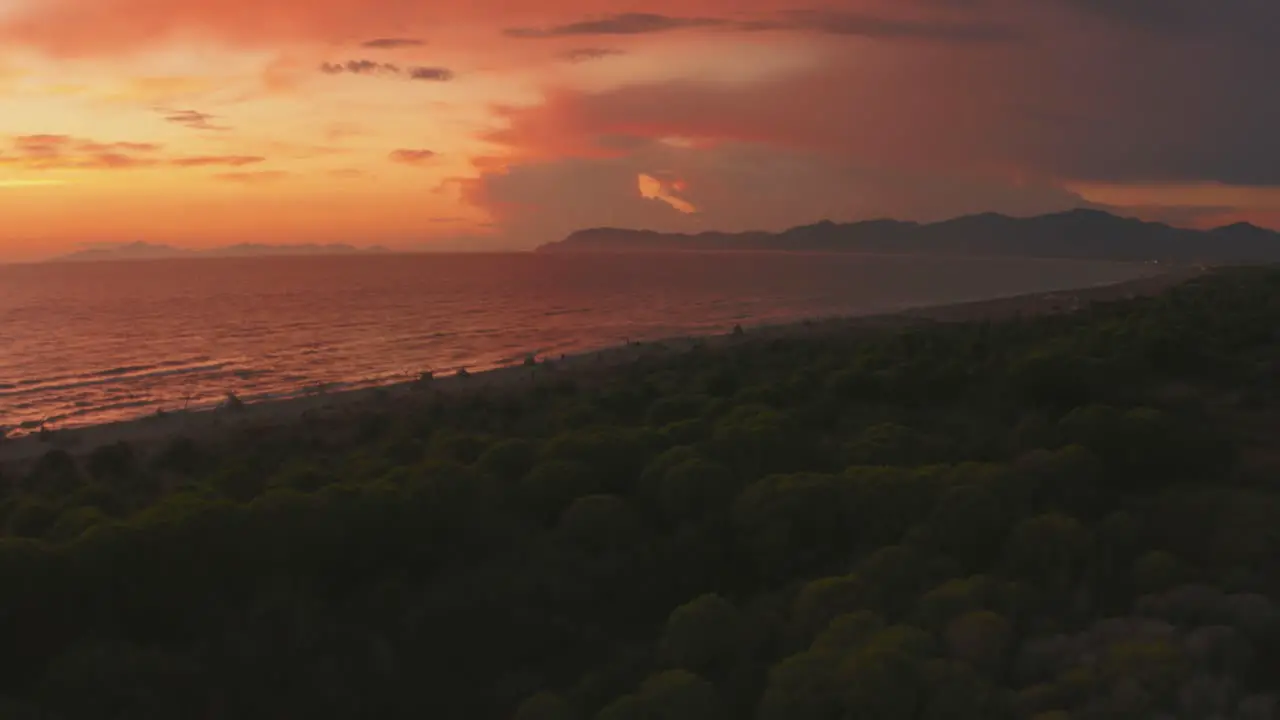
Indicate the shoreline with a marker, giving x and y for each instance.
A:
(214, 424)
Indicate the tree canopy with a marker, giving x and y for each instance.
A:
(1069, 516)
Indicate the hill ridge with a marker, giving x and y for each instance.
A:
(1082, 233)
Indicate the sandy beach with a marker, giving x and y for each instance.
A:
(212, 425)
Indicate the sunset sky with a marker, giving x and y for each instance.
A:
(507, 123)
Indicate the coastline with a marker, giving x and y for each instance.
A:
(214, 424)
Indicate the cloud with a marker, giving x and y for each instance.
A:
(133, 147)
(920, 131)
(260, 177)
(339, 131)
(347, 173)
(359, 67)
(1095, 106)
(10, 183)
(1248, 21)
(888, 28)
(634, 23)
(825, 22)
(664, 190)
(586, 54)
(216, 160)
(371, 67)
(732, 187)
(1006, 94)
(411, 157)
(43, 144)
(193, 119)
(65, 152)
(435, 74)
(392, 43)
(98, 27)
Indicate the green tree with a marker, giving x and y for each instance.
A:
(821, 601)
(792, 523)
(544, 706)
(801, 687)
(508, 460)
(980, 638)
(690, 489)
(848, 633)
(669, 695)
(599, 521)
(1156, 571)
(1049, 551)
(703, 635)
(968, 524)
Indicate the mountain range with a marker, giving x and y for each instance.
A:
(151, 251)
(1074, 234)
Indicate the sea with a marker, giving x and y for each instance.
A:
(89, 343)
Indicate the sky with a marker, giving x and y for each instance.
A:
(495, 124)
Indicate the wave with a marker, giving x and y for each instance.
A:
(351, 331)
(116, 375)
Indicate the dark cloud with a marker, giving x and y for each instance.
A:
(392, 43)
(1099, 104)
(1176, 215)
(1244, 20)
(359, 67)
(374, 68)
(826, 22)
(586, 54)
(193, 119)
(621, 24)
(872, 26)
(406, 156)
(430, 74)
(735, 187)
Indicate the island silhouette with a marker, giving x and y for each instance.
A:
(155, 251)
(1075, 234)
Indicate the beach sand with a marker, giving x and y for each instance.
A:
(210, 426)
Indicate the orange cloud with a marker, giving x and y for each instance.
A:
(12, 183)
(654, 188)
(253, 178)
(64, 152)
(212, 160)
(193, 119)
(375, 68)
(392, 43)
(412, 157)
(586, 54)
(773, 115)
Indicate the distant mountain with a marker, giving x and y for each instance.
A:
(131, 251)
(1075, 234)
(150, 251)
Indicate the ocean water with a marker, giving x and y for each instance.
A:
(92, 343)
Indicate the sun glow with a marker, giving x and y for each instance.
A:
(653, 188)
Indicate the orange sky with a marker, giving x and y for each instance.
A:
(508, 123)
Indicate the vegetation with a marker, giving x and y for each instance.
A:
(1070, 516)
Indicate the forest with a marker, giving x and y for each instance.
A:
(1058, 517)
